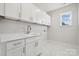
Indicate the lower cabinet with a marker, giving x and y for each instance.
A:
(15, 48)
(24, 47)
(15, 52)
(30, 49)
(2, 49)
(33, 47)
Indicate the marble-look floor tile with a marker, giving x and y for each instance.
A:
(59, 49)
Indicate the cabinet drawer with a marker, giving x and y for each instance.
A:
(15, 44)
(15, 52)
(33, 39)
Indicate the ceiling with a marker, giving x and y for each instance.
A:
(50, 6)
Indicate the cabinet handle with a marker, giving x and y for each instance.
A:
(17, 43)
(36, 44)
(24, 50)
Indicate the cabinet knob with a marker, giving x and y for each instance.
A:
(17, 43)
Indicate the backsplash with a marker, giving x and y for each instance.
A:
(10, 26)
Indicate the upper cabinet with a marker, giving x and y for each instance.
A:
(1, 9)
(46, 19)
(26, 11)
(36, 14)
(42, 17)
(31, 13)
(12, 10)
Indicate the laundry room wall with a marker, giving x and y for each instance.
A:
(11, 26)
(63, 34)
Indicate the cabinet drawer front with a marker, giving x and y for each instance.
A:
(15, 52)
(15, 44)
(33, 39)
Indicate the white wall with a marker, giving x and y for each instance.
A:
(66, 34)
(10, 26)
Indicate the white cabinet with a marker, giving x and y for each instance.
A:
(12, 10)
(33, 47)
(36, 15)
(2, 49)
(30, 49)
(46, 19)
(15, 48)
(1, 9)
(31, 13)
(26, 11)
(15, 52)
(41, 17)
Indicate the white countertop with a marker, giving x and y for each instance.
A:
(15, 36)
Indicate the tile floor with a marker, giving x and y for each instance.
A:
(59, 49)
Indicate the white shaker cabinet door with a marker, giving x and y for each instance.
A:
(36, 13)
(2, 49)
(30, 49)
(33, 47)
(15, 52)
(26, 11)
(12, 10)
(15, 48)
(2, 9)
(48, 20)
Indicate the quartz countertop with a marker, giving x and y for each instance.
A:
(16, 36)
